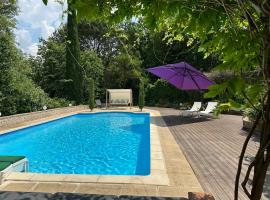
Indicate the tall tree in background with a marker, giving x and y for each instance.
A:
(73, 69)
(18, 92)
(8, 10)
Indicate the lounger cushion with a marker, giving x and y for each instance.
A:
(11, 159)
(4, 165)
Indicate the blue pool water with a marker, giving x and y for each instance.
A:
(101, 143)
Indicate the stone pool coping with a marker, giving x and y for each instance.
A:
(169, 167)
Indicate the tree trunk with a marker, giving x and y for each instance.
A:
(262, 158)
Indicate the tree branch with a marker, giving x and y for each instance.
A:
(249, 101)
(241, 158)
(252, 164)
(252, 23)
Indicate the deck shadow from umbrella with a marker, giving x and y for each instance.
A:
(176, 120)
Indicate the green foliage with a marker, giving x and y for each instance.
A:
(233, 87)
(217, 31)
(49, 67)
(238, 94)
(161, 93)
(23, 94)
(91, 93)
(18, 92)
(158, 48)
(123, 68)
(141, 96)
(115, 57)
(74, 86)
(96, 36)
(94, 69)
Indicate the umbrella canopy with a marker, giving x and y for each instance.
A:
(183, 76)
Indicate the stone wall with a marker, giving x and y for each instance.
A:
(26, 117)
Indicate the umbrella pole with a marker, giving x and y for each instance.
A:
(201, 98)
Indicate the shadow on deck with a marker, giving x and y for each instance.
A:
(212, 147)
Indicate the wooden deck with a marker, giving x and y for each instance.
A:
(212, 147)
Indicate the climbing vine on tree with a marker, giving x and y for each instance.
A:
(73, 74)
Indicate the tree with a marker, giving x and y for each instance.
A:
(18, 92)
(8, 51)
(163, 94)
(125, 71)
(122, 68)
(94, 69)
(141, 96)
(49, 67)
(157, 48)
(73, 69)
(96, 36)
(91, 93)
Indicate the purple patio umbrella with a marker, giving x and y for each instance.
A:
(183, 76)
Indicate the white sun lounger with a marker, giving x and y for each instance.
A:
(211, 106)
(194, 109)
(98, 103)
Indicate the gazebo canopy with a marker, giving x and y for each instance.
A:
(119, 97)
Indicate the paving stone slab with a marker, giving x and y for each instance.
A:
(24, 196)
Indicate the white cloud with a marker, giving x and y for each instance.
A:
(46, 30)
(35, 20)
(24, 37)
(33, 49)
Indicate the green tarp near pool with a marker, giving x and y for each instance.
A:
(6, 161)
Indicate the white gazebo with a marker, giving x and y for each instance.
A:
(119, 97)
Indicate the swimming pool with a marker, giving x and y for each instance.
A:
(109, 143)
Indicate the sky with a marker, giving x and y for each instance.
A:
(35, 20)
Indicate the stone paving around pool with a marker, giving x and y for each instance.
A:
(171, 174)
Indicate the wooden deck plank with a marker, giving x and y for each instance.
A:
(212, 147)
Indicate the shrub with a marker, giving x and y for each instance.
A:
(161, 93)
(91, 93)
(141, 96)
